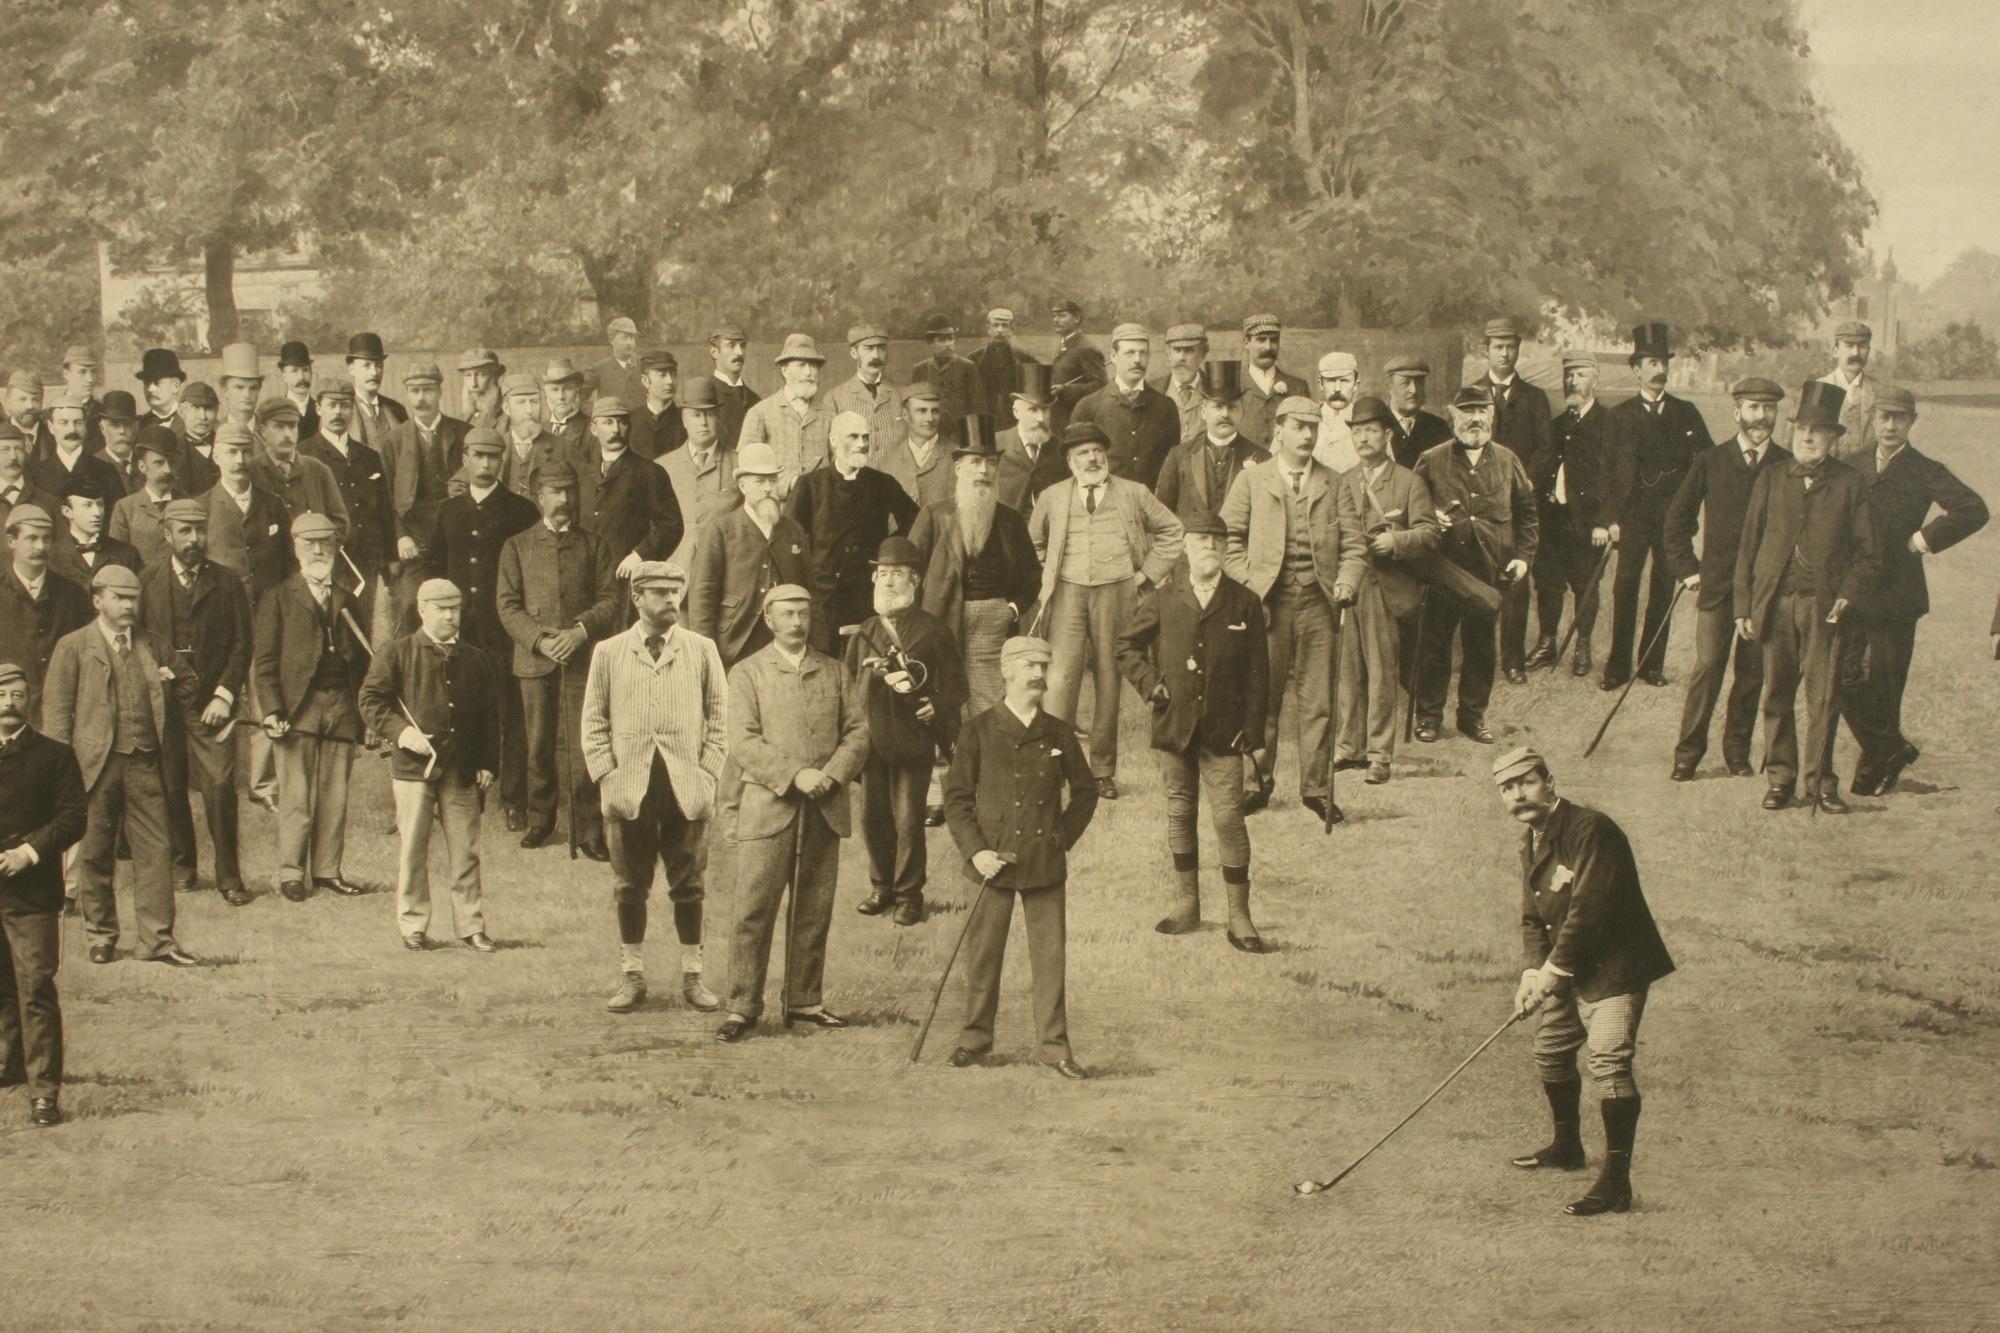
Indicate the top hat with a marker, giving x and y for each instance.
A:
(1222, 380)
(897, 551)
(1034, 384)
(981, 439)
(1652, 340)
(366, 347)
(1820, 404)
(239, 362)
(160, 363)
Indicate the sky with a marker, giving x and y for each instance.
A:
(1914, 88)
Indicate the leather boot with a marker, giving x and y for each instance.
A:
(1565, 1151)
(1579, 661)
(1184, 914)
(1613, 1191)
(1544, 654)
(1242, 930)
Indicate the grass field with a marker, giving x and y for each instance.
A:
(322, 1130)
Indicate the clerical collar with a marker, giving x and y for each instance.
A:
(846, 475)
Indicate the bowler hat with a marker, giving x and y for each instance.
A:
(982, 440)
(160, 363)
(481, 358)
(561, 371)
(366, 347)
(1517, 762)
(1758, 390)
(1820, 404)
(1853, 329)
(80, 355)
(757, 459)
(29, 516)
(1083, 432)
(699, 393)
(1652, 339)
(160, 440)
(940, 325)
(1405, 364)
(1370, 408)
(1034, 385)
(114, 578)
(200, 394)
(621, 325)
(1066, 307)
(239, 362)
(185, 510)
(1504, 326)
(1222, 380)
(798, 347)
(294, 353)
(1472, 395)
(1895, 398)
(313, 525)
(553, 473)
(484, 440)
(897, 551)
(117, 405)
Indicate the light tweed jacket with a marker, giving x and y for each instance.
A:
(634, 708)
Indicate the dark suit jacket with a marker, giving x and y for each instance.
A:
(1020, 482)
(47, 473)
(656, 436)
(1077, 372)
(290, 636)
(363, 479)
(734, 566)
(1182, 485)
(1400, 506)
(1409, 446)
(464, 546)
(1594, 924)
(1650, 457)
(195, 472)
(936, 536)
(42, 805)
(66, 559)
(844, 523)
(31, 494)
(894, 732)
(1717, 493)
(1522, 419)
(1005, 793)
(1223, 696)
(1583, 451)
(549, 583)
(629, 507)
(1143, 431)
(30, 629)
(1830, 524)
(958, 384)
(374, 431)
(420, 474)
(213, 646)
(1900, 498)
(733, 401)
(256, 543)
(999, 366)
(1499, 503)
(455, 701)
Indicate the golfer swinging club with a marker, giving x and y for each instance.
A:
(1592, 951)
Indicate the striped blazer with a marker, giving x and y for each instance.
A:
(635, 708)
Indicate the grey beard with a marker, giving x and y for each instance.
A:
(889, 600)
(975, 515)
(765, 510)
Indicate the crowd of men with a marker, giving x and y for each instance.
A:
(635, 606)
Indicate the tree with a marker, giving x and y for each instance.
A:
(1962, 350)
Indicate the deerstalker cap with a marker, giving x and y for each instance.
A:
(200, 394)
(1185, 335)
(424, 372)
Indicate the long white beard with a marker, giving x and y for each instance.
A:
(975, 502)
(892, 598)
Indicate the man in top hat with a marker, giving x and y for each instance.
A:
(617, 375)
(741, 556)
(1572, 478)
(295, 378)
(955, 378)
(998, 364)
(1339, 378)
(1716, 495)
(1195, 651)
(1019, 797)
(437, 696)
(15, 486)
(558, 595)
(1393, 507)
(1491, 529)
(920, 459)
(653, 735)
(562, 400)
(117, 429)
(200, 411)
(24, 410)
(1591, 954)
(140, 519)
(38, 607)
(305, 483)
(1141, 423)
(249, 527)
(846, 510)
(463, 547)
(1078, 369)
(795, 422)
(1031, 459)
(622, 499)
(365, 485)
(657, 429)
(798, 739)
(306, 665)
(1807, 557)
(869, 393)
(1293, 544)
(1853, 341)
(701, 471)
(161, 378)
(106, 698)
(1522, 423)
(1187, 349)
(1195, 479)
(375, 413)
(912, 684)
(199, 613)
(1102, 539)
(67, 423)
(479, 373)
(241, 380)
(529, 446)
(424, 453)
(1657, 439)
(980, 574)
(81, 546)
(1267, 384)
(728, 344)
(42, 815)
(1904, 487)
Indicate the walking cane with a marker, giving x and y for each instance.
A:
(1416, 651)
(1644, 653)
(1596, 581)
(924, 1028)
(1823, 761)
(1333, 814)
(362, 639)
(792, 904)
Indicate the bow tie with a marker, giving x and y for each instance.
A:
(87, 550)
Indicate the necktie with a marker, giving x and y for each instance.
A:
(1656, 405)
(654, 642)
(1297, 480)
(1090, 499)
(1750, 459)
(124, 646)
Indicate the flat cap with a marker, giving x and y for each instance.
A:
(924, 391)
(798, 347)
(10, 431)
(757, 459)
(1066, 307)
(1405, 364)
(786, 592)
(561, 371)
(29, 516)
(554, 472)
(332, 386)
(1079, 433)
(185, 510)
(999, 314)
(271, 409)
(659, 574)
(1205, 522)
(608, 405)
(622, 325)
(79, 355)
(1369, 408)
(728, 333)
(1758, 389)
(1130, 332)
(116, 578)
(659, 360)
(484, 440)
(71, 399)
(200, 394)
(1579, 361)
(1503, 326)
(11, 672)
(439, 592)
(480, 358)
(25, 379)
(1335, 364)
(866, 333)
(1514, 763)
(1181, 335)
(1853, 328)
(1895, 398)
(1297, 406)
(1025, 648)
(233, 432)
(160, 440)
(313, 525)
(518, 382)
(1257, 324)
(423, 372)
(1472, 395)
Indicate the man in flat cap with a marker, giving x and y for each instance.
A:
(139, 519)
(1031, 458)
(1715, 496)
(846, 510)
(15, 487)
(657, 429)
(241, 379)
(195, 424)
(558, 595)
(1657, 439)
(437, 696)
(1293, 544)
(1491, 529)
(701, 471)
(1572, 479)
(365, 483)
(618, 374)
(38, 607)
(998, 364)
(1141, 423)
(1853, 342)
(1905, 487)
(797, 738)
(81, 547)
(117, 431)
(295, 381)
(1591, 954)
(464, 548)
(307, 664)
(161, 379)
(1195, 651)
(67, 423)
(562, 401)
(1267, 385)
(529, 446)
(375, 413)
(728, 345)
(1019, 797)
(1808, 555)
(83, 376)
(106, 698)
(249, 527)
(199, 612)
(1078, 369)
(305, 483)
(1393, 508)
(954, 377)
(1187, 349)
(795, 422)
(1195, 479)
(621, 498)
(654, 736)
(743, 555)
(1523, 425)
(24, 410)
(1338, 385)
(1102, 540)
(920, 459)
(42, 815)
(479, 373)
(869, 393)
(424, 453)
(912, 686)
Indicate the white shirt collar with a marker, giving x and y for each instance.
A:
(758, 523)
(111, 636)
(479, 493)
(1027, 719)
(797, 660)
(1263, 379)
